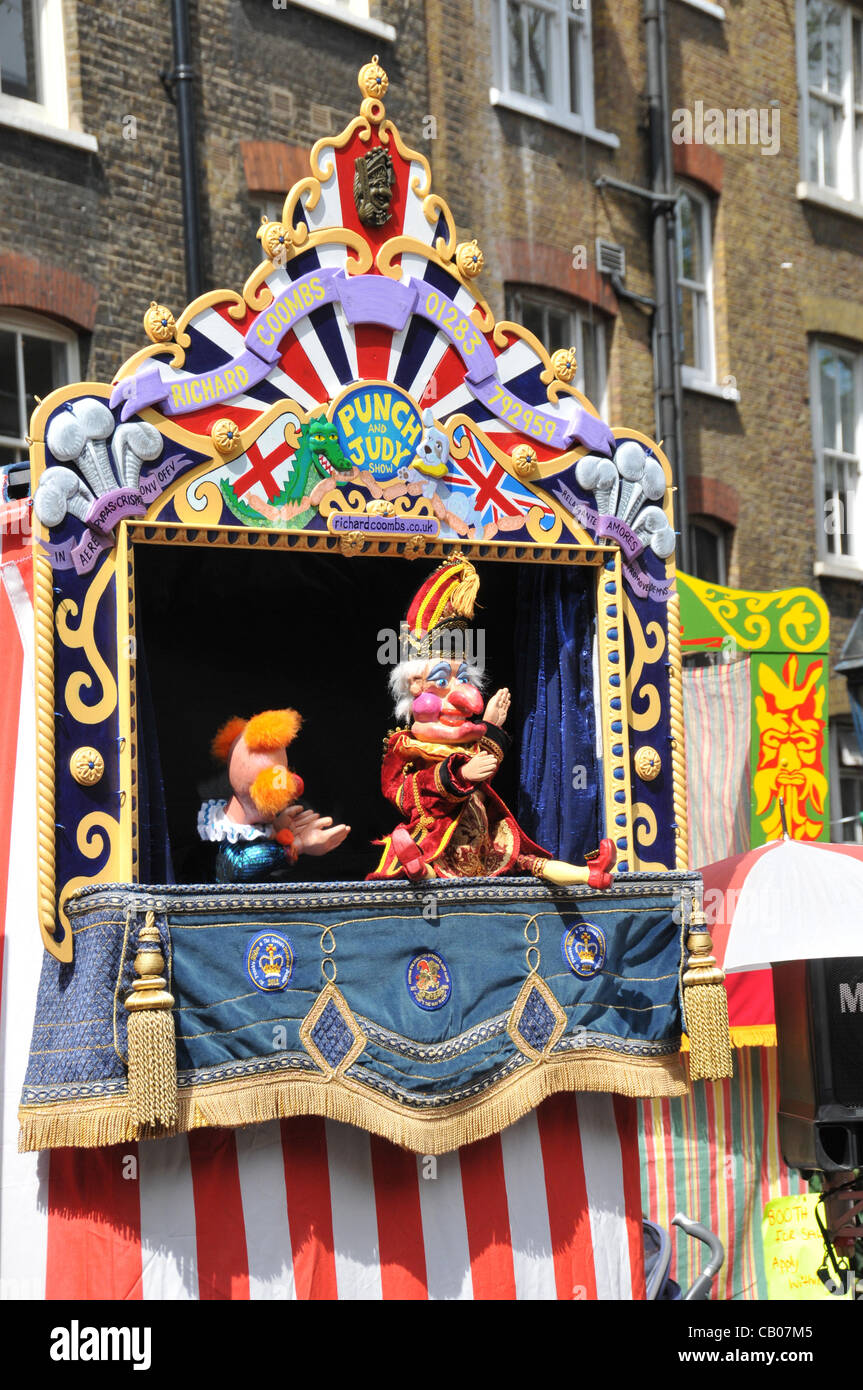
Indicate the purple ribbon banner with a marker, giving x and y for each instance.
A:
(606, 527)
(364, 299)
(104, 514)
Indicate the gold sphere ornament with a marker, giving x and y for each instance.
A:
(372, 80)
(226, 437)
(469, 258)
(564, 363)
(351, 543)
(159, 323)
(87, 766)
(274, 238)
(648, 763)
(414, 547)
(524, 460)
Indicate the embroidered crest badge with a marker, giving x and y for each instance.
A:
(583, 949)
(429, 981)
(270, 961)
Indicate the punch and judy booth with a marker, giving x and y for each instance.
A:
(295, 499)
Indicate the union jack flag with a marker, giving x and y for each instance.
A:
(492, 494)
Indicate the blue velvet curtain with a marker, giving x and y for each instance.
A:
(559, 794)
(154, 848)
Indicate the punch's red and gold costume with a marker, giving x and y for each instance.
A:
(438, 772)
(461, 829)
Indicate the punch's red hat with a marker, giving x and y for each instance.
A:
(445, 602)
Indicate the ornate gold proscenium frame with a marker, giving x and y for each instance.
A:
(487, 448)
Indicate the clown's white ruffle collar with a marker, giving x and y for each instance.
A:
(215, 825)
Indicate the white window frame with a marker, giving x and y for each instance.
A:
(829, 561)
(49, 114)
(704, 370)
(839, 773)
(34, 326)
(849, 187)
(557, 109)
(579, 320)
(352, 12)
(722, 533)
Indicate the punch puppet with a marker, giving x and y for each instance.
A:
(263, 828)
(439, 769)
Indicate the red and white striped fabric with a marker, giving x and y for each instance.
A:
(303, 1208)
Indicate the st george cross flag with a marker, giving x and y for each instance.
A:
(301, 1208)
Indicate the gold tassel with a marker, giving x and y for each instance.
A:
(463, 595)
(705, 1006)
(152, 1042)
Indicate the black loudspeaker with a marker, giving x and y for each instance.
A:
(819, 1031)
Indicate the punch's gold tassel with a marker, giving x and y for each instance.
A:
(152, 1043)
(706, 1007)
(463, 596)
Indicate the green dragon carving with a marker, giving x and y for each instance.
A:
(319, 457)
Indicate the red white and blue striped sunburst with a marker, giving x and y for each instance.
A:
(343, 302)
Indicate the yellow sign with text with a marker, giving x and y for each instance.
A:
(794, 1249)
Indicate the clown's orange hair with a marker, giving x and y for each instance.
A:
(275, 728)
(226, 738)
(273, 790)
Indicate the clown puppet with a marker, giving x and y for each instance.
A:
(262, 829)
(438, 771)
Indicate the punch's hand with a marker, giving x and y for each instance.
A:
(479, 768)
(498, 708)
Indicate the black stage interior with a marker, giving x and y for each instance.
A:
(227, 632)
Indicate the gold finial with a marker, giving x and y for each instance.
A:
(469, 258)
(159, 323)
(226, 437)
(274, 238)
(523, 460)
(372, 80)
(563, 363)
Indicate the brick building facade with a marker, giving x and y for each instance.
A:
(520, 119)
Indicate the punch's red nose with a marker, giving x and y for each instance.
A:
(299, 785)
(466, 699)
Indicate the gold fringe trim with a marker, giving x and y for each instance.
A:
(745, 1035)
(235, 1103)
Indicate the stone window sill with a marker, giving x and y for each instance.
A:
(513, 101)
(827, 198)
(839, 569)
(38, 122)
(690, 381)
(706, 7)
(343, 15)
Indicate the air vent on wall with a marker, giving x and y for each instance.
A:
(610, 258)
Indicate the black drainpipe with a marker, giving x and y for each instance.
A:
(666, 351)
(180, 86)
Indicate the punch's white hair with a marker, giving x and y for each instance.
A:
(402, 675)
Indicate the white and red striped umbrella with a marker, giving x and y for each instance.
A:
(304, 1208)
(786, 900)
